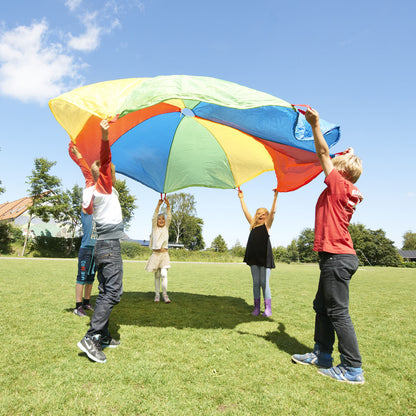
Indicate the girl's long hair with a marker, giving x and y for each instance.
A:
(256, 216)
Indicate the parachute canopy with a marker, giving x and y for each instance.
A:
(173, 132)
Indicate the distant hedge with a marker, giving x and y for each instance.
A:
(46, 246)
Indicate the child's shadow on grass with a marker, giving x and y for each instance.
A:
(283, 340)
(187, 310)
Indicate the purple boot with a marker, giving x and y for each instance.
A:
(256, 310)
(267, 307)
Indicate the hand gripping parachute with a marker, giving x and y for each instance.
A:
(173, 132)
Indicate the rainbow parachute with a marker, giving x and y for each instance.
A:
(173, 132)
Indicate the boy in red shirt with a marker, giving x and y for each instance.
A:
(337, 262)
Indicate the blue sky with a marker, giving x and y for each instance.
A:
(353, 61)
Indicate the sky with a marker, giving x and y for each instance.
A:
(352, 61)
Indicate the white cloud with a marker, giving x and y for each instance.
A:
(33, 69)
(90, 40)
(72, 4)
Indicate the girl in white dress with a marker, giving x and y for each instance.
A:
(159, 261)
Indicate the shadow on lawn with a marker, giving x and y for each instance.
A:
(283, 340)
(189, 310)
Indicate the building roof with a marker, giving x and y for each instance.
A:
(408, 254)
(12, 210)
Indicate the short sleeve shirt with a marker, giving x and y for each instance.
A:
(333, 213)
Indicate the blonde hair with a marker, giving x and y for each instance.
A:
(95, 170)
(256, 216)
(349, 165)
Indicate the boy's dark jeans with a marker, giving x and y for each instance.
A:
(331, 307)
(110, 277)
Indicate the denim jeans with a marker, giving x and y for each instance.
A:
(110, 278)
(86, 266)
(331, 307)
(261, 277)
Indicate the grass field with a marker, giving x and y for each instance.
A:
(203, 354)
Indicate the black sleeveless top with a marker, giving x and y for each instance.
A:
(259, 249)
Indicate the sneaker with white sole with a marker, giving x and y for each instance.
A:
(92, 347)
(318, 358)
(157, 298)
(166, 298)
(80, 312)
(352, 375)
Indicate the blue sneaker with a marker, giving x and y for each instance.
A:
(318, 358)
(352, 375)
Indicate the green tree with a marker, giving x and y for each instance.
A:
(185, 227)
(373, 246)
(305, 246)
(292, 251)
(71, 214)
(127, 202)
(45, 191)
(219, 244)
(238, 250)
(409, 241)
(280, 254)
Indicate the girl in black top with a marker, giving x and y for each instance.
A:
(259, 255)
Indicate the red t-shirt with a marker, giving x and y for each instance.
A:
(333, 213)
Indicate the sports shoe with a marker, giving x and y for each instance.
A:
(157, 298)
(352, 375)
(92, 347)
(88, 307)
(109, 343)
(80, 311)
(318, 358)
(166, 298)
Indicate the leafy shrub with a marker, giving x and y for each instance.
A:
(46, 246)
(5, 238)
(408, 264)
(133, 250)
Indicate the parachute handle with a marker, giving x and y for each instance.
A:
(301, 105)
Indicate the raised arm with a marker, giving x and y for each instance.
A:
(168, 212)
(156, 213)
(270, 218)
(244, 207)
(105, 181)
(321, 146)
(76, 156)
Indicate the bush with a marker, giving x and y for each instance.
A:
(5, 238)
(58, 247)
(408, 264)
(281, 255)
(203, 256)
(238, 250)
(133, 250)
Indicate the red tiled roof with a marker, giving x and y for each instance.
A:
(12, 210)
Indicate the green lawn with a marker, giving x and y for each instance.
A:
(203, 354)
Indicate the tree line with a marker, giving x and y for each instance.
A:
(372, 246)
(51, 201)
